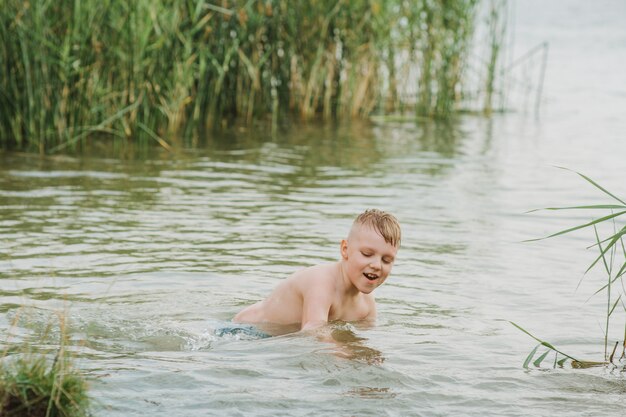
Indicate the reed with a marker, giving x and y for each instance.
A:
(612, 257)
(497, 29)
(164, 71)
(34, 385)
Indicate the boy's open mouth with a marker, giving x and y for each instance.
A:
(371, 277)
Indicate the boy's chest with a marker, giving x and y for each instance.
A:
(352, 310)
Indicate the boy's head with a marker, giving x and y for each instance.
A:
(368, 253)
(385, 224)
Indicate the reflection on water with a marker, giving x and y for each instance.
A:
(371, 392)
(353, 347)
(115, 215)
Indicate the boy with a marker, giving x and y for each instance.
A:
(339, 291)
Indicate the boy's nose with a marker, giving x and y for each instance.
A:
(375, 264)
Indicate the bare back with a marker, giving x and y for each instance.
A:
(316, 294)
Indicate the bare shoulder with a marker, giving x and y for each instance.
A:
(321, 275)
(314, 279)
(318, 279)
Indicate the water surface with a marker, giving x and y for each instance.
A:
(147, 255)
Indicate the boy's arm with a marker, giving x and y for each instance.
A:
(370, 319)
(372, 313)
(315, 310)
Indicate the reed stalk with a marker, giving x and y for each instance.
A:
(497, 28)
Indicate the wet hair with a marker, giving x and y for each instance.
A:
(384, 223)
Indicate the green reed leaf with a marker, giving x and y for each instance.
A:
(614, 239)
(592, 207)
(542, 342)
(223, 10)
(561, 361)
(620, 233)
(622, 270)
(525, 331)
(595, 184)
(591, 223)
(540, 359)
(530, 356)
(154, 136)
(615, 304)
(603, 287)
(98, 127)
(601, 256)
(601, 188)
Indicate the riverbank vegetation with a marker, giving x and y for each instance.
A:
(41, 383)
(161, 71)
(612, 259)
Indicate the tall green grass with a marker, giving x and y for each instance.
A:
(163, 70)
(612, 258)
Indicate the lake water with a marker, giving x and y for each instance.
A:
(147, 256)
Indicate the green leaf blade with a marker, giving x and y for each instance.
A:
(530, 356)
(582, 226)
(540, 359)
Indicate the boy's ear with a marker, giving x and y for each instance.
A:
(344, 249)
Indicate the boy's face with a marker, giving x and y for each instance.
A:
(367, 258)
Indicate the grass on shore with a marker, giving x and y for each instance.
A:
(32, 384)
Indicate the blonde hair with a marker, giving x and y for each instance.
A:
(384, 223)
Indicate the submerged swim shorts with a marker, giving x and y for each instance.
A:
(240, 329)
